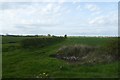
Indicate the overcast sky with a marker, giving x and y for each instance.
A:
(59, 18)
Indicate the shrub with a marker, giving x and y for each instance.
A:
(76, 50)
(74, 53)
(83, 54)
(40, 42)
(65, 36)
(112, 48)
(49, 35)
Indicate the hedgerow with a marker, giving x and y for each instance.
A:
(40, 42)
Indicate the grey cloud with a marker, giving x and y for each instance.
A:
(36, 25)
(13, 5)
(16, 5)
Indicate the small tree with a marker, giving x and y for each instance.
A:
(49, 35)
(53, 36)
(36, 35)
(65, 36)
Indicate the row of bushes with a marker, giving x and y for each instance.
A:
(40, 42)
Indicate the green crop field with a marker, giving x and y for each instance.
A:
(36, 62)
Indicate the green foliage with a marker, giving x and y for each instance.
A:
(40, 42)
(111, 47)
(10, 47)
(49, 35)
(65, 36)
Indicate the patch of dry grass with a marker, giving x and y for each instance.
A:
(83, 54)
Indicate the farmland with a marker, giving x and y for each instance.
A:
(36, 62)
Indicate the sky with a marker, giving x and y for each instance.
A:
(59, 18)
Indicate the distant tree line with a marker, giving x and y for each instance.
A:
(49, 35)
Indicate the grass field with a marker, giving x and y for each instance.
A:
(18, 62)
